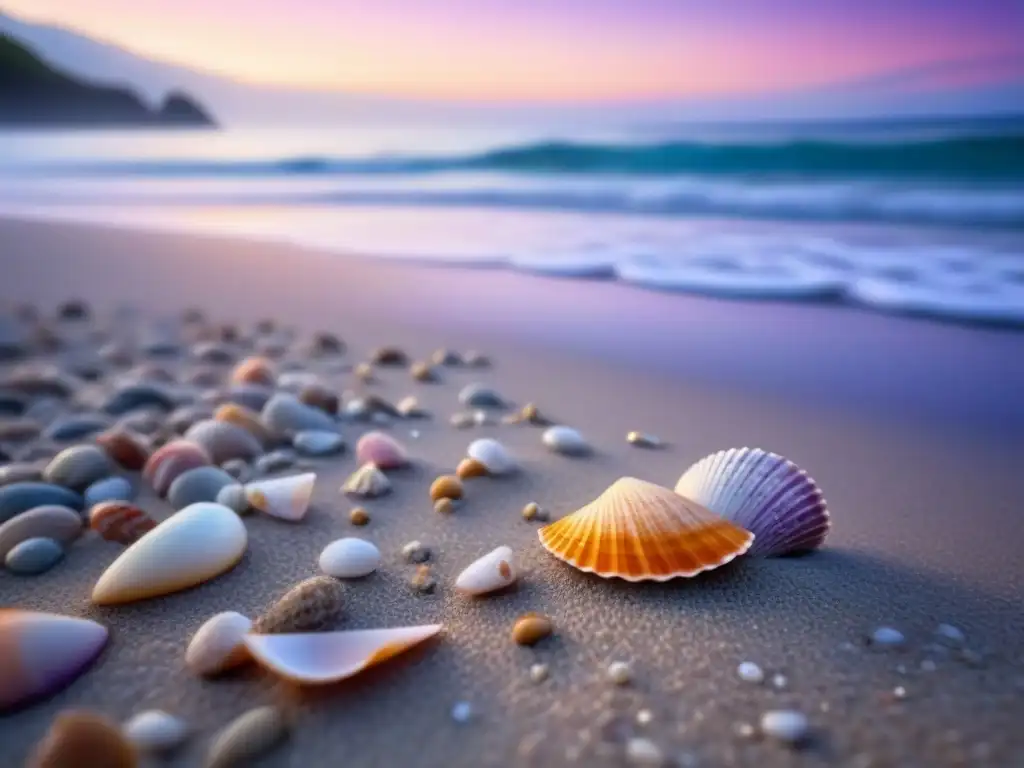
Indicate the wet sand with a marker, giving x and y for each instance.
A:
(911, 428)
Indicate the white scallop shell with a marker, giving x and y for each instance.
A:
(219, 644)
(349, 558)
(492, 455)
(286, 498)
(493, 571)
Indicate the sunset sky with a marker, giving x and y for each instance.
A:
(551, 49)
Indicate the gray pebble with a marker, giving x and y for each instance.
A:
(21, 472)
(33, 556)
(285, 414)
(139, 395)
(77, 426)
(887, 637)
(479, 396)
(199, 484)
(314, 442)
(238, 469)
(78, 467)
(233, 497)
(21, 497)
(108, 489)
(275, 461)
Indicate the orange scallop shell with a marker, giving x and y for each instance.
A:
(639, 531)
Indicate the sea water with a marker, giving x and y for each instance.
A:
(921, 217)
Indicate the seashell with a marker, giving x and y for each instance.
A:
(120, 521)
(410, 408)
(284, 414)
(19, 430)
(421, 371)
(469, 468)
(565, 440)
(223, 441)
(126, 449)
(643, 440)
(108, 489)
(763, 492)
(349, 558)
(233, 496)
(313, 605)
(83, 738)
(23, 496)
(477, 395)
(42, 653)
(51, 521)
(326, 343)
(639, 531)
(76, 426)
(170, 461)
(199, 484)
(315, 442)
(320, 396)
(247, 738)
(286, 498)
(252, 396)
(492, 455)
(255, 370)
(367, 481)
(218, 645)
(78, 467)
(213, 352)
(138, 395)
(155, 731)
(446, 487)
(195, 545)
(33, 556)
(275, 461)
(381, 449)
(495, 570)
(319, 658)
(359, 516)
(389, 356)
(240, 416)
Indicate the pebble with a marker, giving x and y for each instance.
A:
(493, 455)
(539, 673)
(533, 511)
(785, 725)
(641, 751)
(199, 484)
(928, 666)
(255, 370)
(138, 395)
(389, 356)
(247, 738)
(19, 430)
(82, 738)
(444, 506)
(779, 681)
(275, 461)
(482, 418)
(320, 396)
(50, 521)
(246, 418)
(469, 468)
(368, 408)
(410, 408)
(33, 556)
(78, 467)
(462, 712)
(415, 552)
(448, 357)
(478, 395)
(285, 414)
(462, 420)
(234, 498)
(108, 489)
(76, 427)
(127, 450)
(363, 372)
(155, 731)
(475, 359)
(171, 460)
(644, 717)
(950, 635)
(213, 352)
(349, 558)
(315, 442)
(238, 469)
(359, 516)
(120, 522)
(313, 605)
(643, 440)
(887, 637)
(531, 628)
(899, 692)
(223, 441)
(422, 372)
(446, 487)
(325, 343)
(750, 672)
(423, 580)
(252, 396)
(22, 472)
(219, 644)
(565, 440)
(619, 672)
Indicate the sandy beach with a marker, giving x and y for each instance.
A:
(912, 428)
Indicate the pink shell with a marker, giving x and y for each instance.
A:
(764, 493)
(381, 449)
(171, 460)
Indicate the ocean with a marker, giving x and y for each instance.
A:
(920, 217)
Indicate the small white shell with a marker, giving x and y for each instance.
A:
(565, 440)
(349, 558)
(367, 481)
(492, 455)
(286, 498)
(155, 731)
(494, 570)
(218, 645)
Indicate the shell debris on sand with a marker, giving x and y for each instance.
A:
(444, 506)
(316, 604)
(83, 738)
(120, 521)
(286, 498)
(763, 493)
(367, 481)
(155, 731)
(493, 455)
(218, 644)
(248, 737)
(199, 543)
(319, 658)
(423, 580)
(639, 531)
(349, 558)
(533, 511)
(495, 570)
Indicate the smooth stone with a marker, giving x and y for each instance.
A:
(158, 347)
(62, 524)
(108, 489)
(252, 396)
(349, 558)
(788, 726)
(234, 498)
(219, 644)
(492, 455)
(139, 395)
(155, 731)
(247, 738)
(19, 429)
(477, 395)
(76, 427)
(566, 440)
(224, 441)
(285, 414)
(12, 405)
(146, 422)
(33, 556)
(43, 381)
(238, 469)
(314, 442)
(83, 738)
(199, 484)
(38, 452)
(182, 419)
(275, 461)
(213, 352)
(21, 497)
(78, 467)
(128, 450)
(21, 472)
(495, 570)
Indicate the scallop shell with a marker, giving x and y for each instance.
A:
(495, 570)
(367, 481)
(52, 521)
(313, 605)
(120, 521)
(195, 545)
(247, 738)
(286, 498)
(639, 531)
(81, 737)
(492, 455)
(764, 493)
(224, 441)
(171, 460)
(382, 450)
(218, 644)
(318, 658)
(42, 653)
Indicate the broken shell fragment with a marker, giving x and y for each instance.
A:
(367, 481)
(493, 571)
(286, 498)
(120, 521)
(318, 658)
(639, 531)
(218, 645)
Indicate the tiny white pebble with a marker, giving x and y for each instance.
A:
(780, 681)
(750, 672)
(824, 706)
(462, 712)
(744, 730)
(928, 666)
(785, 725)
(414, 433)
(950, 634)
(539, 673)
(644, 752)
(887, 637)
(901, 669)
(619, 672)
(644, 716)
(899, 692)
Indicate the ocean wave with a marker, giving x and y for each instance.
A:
(999, 157)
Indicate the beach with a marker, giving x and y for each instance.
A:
(911, 428)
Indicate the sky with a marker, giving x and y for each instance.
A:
(557, 50)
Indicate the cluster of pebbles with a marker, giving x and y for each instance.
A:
(240, 433)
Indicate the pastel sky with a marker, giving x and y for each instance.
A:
(553, 49)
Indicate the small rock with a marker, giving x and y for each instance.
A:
(325, 343)
(389, 356)
(887, 637)
(423, 580)
(314, 442)
(462, 420)
(363, 372)
(462, 712)
(644, 717)
(478, 395)
(234, 498)
(531, 628)
(213, 352)
(565, 440)
(415, 552)
(446, 487)
(78, 467)
(139, 395)
(76, 427)
(950, 635)
(444, 506)
(643, 440)
(422, 372)
(33, 556)
(247, 738)
(538, 673)
(533, 512)
(475, 359)
(285, 414)
(108, 489)
(83, 738)
(196, 485)
(779, 681)
(469, 468)
(788, 726)
(127, 450)
(642, 751)
(448, 357)
(359, 516)
(750, 672)
(619, 672)
(238, 469)
(349, 558)
(223, 441)
(155, 731)
(318, 395)
(410, 408)
(275, 461)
